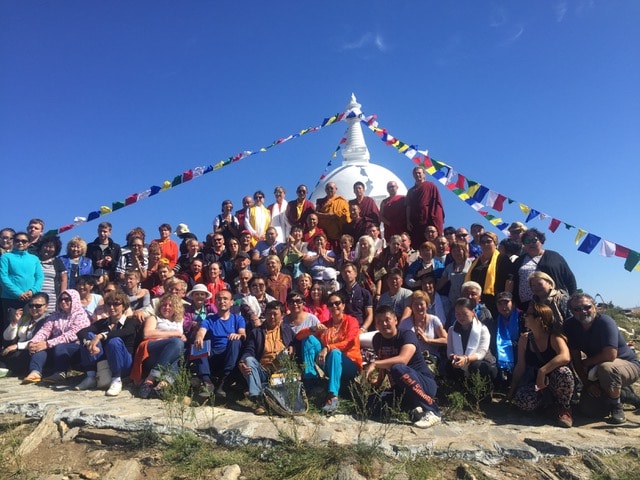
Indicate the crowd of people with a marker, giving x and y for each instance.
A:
(343, 286)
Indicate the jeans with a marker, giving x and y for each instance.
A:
(114, 351)
(61, 356)
(258, 377)
(165, 355)
(310, 349)
(340, 369)
(223, 361)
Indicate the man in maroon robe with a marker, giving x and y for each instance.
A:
(393, 212)
(368, 208)
(424, 207)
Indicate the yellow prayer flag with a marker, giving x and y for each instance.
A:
(581, 233)
(524, 209)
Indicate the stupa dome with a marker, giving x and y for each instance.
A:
(357, 167)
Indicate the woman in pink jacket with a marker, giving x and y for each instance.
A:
(57, 340)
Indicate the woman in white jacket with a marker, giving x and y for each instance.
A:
(468, 343)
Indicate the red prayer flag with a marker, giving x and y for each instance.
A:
(622, 251)
(553, 226)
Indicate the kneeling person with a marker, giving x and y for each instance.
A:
(111, 339)
(226, 331)
(400, 359)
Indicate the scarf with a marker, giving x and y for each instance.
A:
(472, 344)
(490, 279)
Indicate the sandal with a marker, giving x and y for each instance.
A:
(33, 377)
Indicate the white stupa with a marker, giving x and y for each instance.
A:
(356, 166)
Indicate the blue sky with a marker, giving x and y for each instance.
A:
(536, 100)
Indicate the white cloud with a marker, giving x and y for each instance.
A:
(515, 34)
(560, 11)
(367, 40)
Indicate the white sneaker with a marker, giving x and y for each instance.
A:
(114, 389)
(429, 419)
(89, 383)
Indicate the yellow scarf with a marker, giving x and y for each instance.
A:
(490, 279)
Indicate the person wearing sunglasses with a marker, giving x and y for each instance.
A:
(603, 361)
(21, 276)
(340, 355)
(536, 258)
(6, 240)
(257, 218)
(56, 342)
(24, 323)
(298, 211)
(111, 339)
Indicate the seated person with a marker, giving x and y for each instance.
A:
(545, 351)
(184, 260)
(162, 347)
(304, 325)
(319, 259)
(111, 339)
(225, 331)
(21, 329)
(609, 364)
(426, 264)
(264, 248)
(139, 298)
(259, 357)
(395, 296)
(468, 345)
(90, 301)
(196, 311)
(431, 335)
(398, 357)
(57, 340)
(340, 355)
(194, 275)
(252, 307)
(215, 283)
(508, 330)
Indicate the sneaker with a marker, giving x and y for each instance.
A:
(416, 414)
(89, 383)
(145, 390)
(114, 389)
(57, 377)
(429, 419)
(331, 406)
(206, 390)
(617, 414)
(565, 419)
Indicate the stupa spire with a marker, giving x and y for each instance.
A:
(355, 149)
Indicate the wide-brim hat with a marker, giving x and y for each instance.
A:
(181, 229)
(199, 287)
